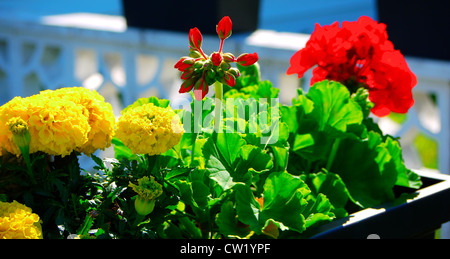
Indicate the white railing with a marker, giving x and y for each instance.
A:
(125, 64)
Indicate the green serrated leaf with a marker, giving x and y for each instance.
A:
(367, 169)
(329, 184)
(333, 105)
(255, 158)
(284, 200)
(227, 222)
(247, 208)
(405, 177)
(220, 152)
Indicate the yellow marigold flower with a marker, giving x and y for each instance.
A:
(18, 222)
(99, 112)
(60, 121)
(148, 190)
(56, 126)
(149, 129)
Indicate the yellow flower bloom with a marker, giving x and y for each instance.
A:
(18, 222)
(149, 129)
(60, 121)
(56, 126)
(99, 112)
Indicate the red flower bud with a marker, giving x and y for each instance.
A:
(200, 89)
(247, 59)
(195, 38)
(229, 79)
(216, 59)
(193, 53)
(188, 84)
(228, 57)
(235, 72)
(184, 63)
(225, 66)
(224, 28)
(187, 74)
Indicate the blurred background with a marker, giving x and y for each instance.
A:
(126, 50)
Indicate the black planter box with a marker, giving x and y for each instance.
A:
(417, 27)
(176, 15)
(419, 217)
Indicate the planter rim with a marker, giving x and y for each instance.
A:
(423, 213)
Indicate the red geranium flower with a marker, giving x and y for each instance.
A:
(359, 54)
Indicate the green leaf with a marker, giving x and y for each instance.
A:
(225, 147)
(318, 211)
(255, 158)
(249, 76)
(201, 192)
(284, 200)
(220, 175)
(194, 191)
(334, 106)
(121, 151)
(221, 151)
(227, 221)
(247, 208)
(329, 184)
(190, 228)
(266, 90)
(367, 169)
(281, 155)
(405, 177)
(303, 141)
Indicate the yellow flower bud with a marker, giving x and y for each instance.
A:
(148, 191)
(21, 135)
(144, 207)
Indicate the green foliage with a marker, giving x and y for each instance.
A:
(248, 85)
(330, 132)
(59, 194)
(276, 173)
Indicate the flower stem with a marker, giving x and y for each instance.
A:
(139, 218)
(333, 152)
(203, 54)
(26, 156)
(221, 46)
(218, 109)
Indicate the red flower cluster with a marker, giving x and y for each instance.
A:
(201, 71)
(359, 54)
